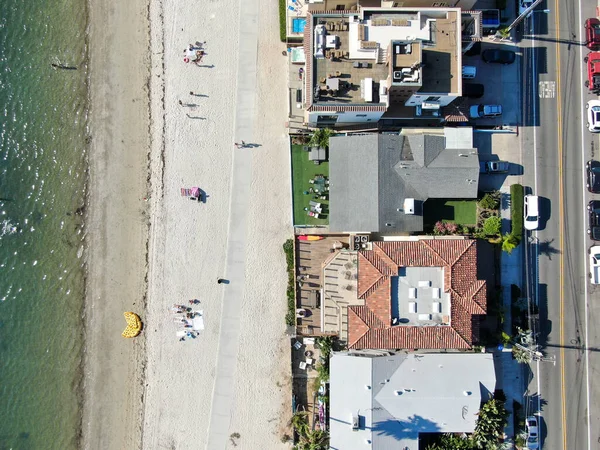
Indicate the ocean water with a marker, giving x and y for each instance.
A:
(42, 192)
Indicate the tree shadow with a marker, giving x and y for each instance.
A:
(545, 248)
(402, 429)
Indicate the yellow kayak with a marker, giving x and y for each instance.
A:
(305, 237)
(134, 325)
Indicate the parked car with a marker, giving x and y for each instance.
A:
(592, 61)
(592, 34)
(594, 264)
(531, 423)
(497, 56)
(593, 115)
(494, 167)
(469, 72)
(477, 111)
(523, 5)
(594, 220)
(472, 90)
(593, 176)
(532, 212)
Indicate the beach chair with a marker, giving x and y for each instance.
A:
(192, 193)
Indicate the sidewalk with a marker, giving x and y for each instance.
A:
(509, 373)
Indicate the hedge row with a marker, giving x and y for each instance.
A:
(282, 20)
(290, 317)
(516, 210)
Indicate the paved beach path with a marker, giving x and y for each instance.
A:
(230, 386)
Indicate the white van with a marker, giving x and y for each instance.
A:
(469, 72)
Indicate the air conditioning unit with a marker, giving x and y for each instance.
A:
(358, 241)
(409, 206)
(355, 423)
(426, 105)
(397, 75)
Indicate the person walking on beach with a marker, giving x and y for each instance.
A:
(220, 281)
(240, 145)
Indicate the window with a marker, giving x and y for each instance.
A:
(439, 4)
(340, 7)
(432, 99)
(398, 4)
(361, 115)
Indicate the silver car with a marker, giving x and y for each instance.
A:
(531, 423)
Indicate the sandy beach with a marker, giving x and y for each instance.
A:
(230, 386)
(116, 223)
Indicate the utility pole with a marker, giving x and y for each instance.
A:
(522, 16)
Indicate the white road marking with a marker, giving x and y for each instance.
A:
(547, 89)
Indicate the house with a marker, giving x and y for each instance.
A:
(417, 294)
(384, 401)
(378, 183)
(370, 63)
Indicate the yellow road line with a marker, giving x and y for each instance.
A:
(561, 232)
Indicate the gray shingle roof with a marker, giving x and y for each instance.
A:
(371, 175)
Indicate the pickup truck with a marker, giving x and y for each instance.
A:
(595, 264)
(494, 167)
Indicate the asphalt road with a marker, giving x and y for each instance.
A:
(556, 145)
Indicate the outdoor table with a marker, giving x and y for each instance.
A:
(312, 300)
(331, 41)
(333, 83)
(319, 185)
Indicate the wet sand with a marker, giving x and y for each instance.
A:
(117, 222)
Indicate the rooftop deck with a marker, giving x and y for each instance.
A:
(348, 73)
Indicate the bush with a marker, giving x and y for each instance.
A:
(439, 227)
(489, 201)
(290, 317)
(491, 226)
(451, 228)
(509, 243)
(320, 137)
(516, 210)
(282, 20)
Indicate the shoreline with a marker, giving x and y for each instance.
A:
(117, 223)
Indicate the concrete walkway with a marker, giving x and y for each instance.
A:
(241, 177)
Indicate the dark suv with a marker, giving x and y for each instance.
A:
(594, 219)
(593, 176)
(472, 90)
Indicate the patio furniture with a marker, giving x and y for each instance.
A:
(313, 214)
(309, 361)
(311, 203)
(300, 313)
(317, 154)
(302, 365)
(297, 345)
(308, 353)
(316, 209)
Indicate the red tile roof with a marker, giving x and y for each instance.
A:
(369, 326)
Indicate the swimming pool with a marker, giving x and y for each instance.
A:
(298, 25)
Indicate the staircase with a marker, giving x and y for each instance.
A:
(382, 55)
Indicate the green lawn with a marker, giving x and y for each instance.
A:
(302, 171)
(461, 212)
